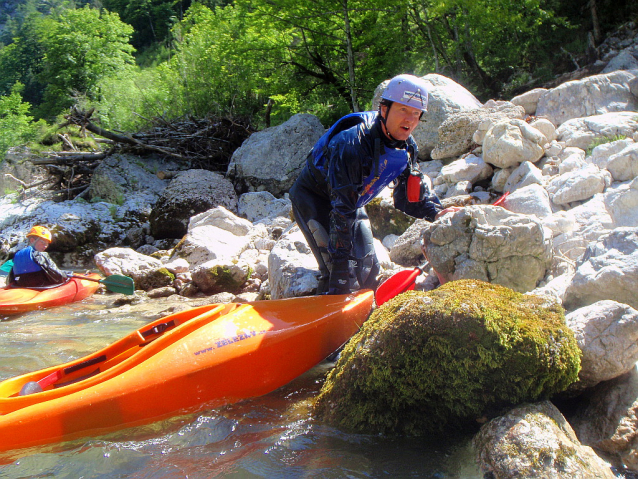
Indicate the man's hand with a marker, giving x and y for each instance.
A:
(449, 209)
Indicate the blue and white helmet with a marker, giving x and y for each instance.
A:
(408, 90)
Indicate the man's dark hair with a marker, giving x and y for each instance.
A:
(385, 102)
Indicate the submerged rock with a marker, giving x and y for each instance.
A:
(426, 360)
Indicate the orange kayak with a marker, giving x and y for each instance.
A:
(21, 300)
(189, 361)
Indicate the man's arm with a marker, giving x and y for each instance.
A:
(428, 207)
(53, 273)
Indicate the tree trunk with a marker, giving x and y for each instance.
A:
(470, 58)
(594, 21)
(351, 75)
(424, 26)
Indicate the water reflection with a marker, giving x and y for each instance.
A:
(273, 436)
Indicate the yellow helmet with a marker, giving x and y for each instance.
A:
(40, 232)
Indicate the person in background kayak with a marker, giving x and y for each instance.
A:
(32, 266)
(351, 164)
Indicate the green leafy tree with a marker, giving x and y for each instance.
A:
(336, 49)
(21, 52)
(81, 47)
(16, 125)
(221, 65)
(483, 43)
(218, 69)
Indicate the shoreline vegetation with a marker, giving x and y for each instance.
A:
(140, 67)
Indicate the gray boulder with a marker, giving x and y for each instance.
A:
(582, 132)
(545, 446)
(189, 193)
(607, 419)
(607, 335)
(607, 270)
(457, 131)
(272, 159)
(594, 95)
(491, 244)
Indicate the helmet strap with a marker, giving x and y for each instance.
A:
(383, 120)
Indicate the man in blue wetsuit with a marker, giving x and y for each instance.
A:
(32, 267)
(349, 165)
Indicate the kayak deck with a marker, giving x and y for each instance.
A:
(186, 362)
(85, 372)
(21, 300)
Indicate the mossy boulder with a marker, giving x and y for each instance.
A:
(427, 360)
(156, 278)
(213, 278)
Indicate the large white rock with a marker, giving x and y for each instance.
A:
(529, 100)
(600, 154)
(491, 244)
(623, 165)
(271, 159)
(259, 205)
(546, 127)
(292, 268)
(576, 185)
(530, 200)
(607, 335)
(594, 95)
(581, 132)
(470, 168)
(607, 270)
(221, 218)
(524, 175)
(510, 143)
(621, 201)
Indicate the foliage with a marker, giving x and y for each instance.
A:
(16, 125)
(21, 61)
(483, 43)
(449, 356)
(151, 19)
(81, 47)
(129, 98)
(227, 58)
(331, 52)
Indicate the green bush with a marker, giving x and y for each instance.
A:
(16, 125)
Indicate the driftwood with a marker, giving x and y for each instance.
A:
(32, 185)
(201, 143)
(205, 143)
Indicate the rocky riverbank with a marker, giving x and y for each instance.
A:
(567, 231)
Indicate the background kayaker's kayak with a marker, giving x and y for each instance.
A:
(222, 355)
(21, 300)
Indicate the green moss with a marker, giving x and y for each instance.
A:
(451, 355)
(224, 280)
(166, 272)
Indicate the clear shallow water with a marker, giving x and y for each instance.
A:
(274, 436)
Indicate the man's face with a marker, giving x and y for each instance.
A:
(401, 120)
(40, 244)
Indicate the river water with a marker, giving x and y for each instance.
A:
(273, 436)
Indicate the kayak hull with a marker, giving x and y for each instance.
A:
(225, 354)
(22, 300)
